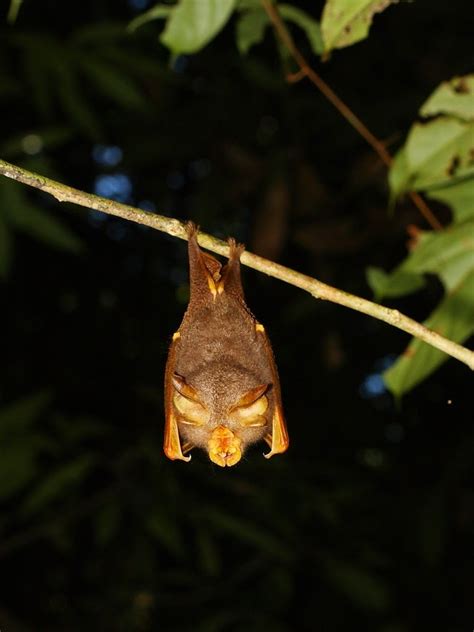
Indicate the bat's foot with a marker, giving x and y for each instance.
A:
(191, 229)
(235, 249)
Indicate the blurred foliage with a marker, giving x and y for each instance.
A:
(437, 157)
(437, 153)
(367, 521)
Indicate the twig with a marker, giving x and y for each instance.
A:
(173, 227)
(347, 113)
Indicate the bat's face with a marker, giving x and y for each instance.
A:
(221, 418)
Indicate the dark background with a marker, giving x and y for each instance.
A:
(367, 521)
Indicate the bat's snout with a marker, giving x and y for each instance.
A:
(224, 447)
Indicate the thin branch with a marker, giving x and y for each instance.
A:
(306, 70)
(64, 193)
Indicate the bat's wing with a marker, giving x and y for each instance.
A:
(172, 442)
(278, 440)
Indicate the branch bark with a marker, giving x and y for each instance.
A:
(175, 228)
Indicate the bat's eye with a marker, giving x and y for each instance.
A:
(250, 409)
(191, 412)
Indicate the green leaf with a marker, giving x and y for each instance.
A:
(207, 552)
(247, 531)
(244, 5)
(459, 196)
(73, 430)
(17, 417)
(38, 73)
(438, 156)
(399, 175)
(250, 29)
(136, 64)
(362, 588)
(107, 521)
(155, 13)
(439, 152)
(19, 446)
(58, 483)
(13, 11)
(47, 137)
(34, 221)
(432, 528)
(454, 97)
(17, 466)
(40, 225)
(112, 83)
(163, 526)
(5, 248)
(98, 34)
(345, 22)
(454, 319)
(448, 253)
(73, 102)
(10, 88)
(306, 22)
(193, 24)
(397, 283)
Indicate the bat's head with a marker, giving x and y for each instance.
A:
(222, 417)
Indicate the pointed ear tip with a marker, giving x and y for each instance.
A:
(177, 380)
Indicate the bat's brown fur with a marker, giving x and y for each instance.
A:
(220, 349)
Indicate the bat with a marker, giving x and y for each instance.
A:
(222, 391)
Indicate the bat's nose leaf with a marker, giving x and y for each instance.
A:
(224, 447)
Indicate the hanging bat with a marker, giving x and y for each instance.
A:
(222, 391)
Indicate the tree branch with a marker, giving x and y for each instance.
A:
(305, 70)
(64, 193)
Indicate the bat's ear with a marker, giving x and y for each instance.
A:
(278, 440)
(250, 397)
(184, 388)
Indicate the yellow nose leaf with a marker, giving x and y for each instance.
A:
(224, 447)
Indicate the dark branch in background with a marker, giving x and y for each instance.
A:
(306, 71)
(173, 227)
